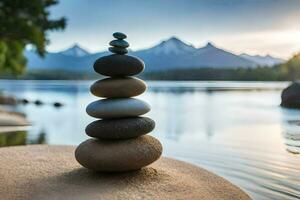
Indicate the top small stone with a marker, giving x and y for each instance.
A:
(119, 35)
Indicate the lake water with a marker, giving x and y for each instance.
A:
(236, 130)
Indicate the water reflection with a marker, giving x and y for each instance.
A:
(16, 138)
(291, 130)
(209, 119)
(291, 135)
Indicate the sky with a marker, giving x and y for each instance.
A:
(240, 26)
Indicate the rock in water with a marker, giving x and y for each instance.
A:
(118, 87)
(117, 108)
(118, 155)
(118, 65)
(120, 128)
(290, 97)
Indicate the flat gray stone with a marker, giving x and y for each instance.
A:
(120, 128)
(119, 43)
(118, 87)
(118, 155)
(117, 108)
(118, 50)
(119, 65)
(35, 172)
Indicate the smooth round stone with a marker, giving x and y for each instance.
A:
(119, 35)
(119, 65)
(48, 172)
(118, 155)
(118, 87)
(119, 43)
(120, 128)
(117, 108)
(118, 50)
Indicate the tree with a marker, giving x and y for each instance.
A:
(24, 22)
(291, 69)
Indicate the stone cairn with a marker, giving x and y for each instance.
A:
(118, 140)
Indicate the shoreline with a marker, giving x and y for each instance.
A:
(10, 119)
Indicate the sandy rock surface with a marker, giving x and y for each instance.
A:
(51, 172)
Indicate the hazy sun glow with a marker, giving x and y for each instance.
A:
(277, 43)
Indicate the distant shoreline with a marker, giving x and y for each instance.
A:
(189, 74)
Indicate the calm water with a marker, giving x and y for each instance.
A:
(240, 134)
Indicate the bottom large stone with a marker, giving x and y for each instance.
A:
(45, 172)
(118, 155)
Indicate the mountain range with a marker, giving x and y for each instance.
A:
(167, 55)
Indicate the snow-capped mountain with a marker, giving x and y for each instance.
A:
(75, 51)
(172, 46)
(174, 54)
(167, 55)
(263, 60)
(212, 56)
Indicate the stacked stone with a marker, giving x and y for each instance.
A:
(119, 140)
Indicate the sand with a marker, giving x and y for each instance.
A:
(51, 172)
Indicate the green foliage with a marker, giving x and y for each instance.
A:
(239, 74)
(11, 57)
(24, 22)
(291, 69)
(13, 138)
(20, 138)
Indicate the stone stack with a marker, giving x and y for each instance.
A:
(119, 142)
